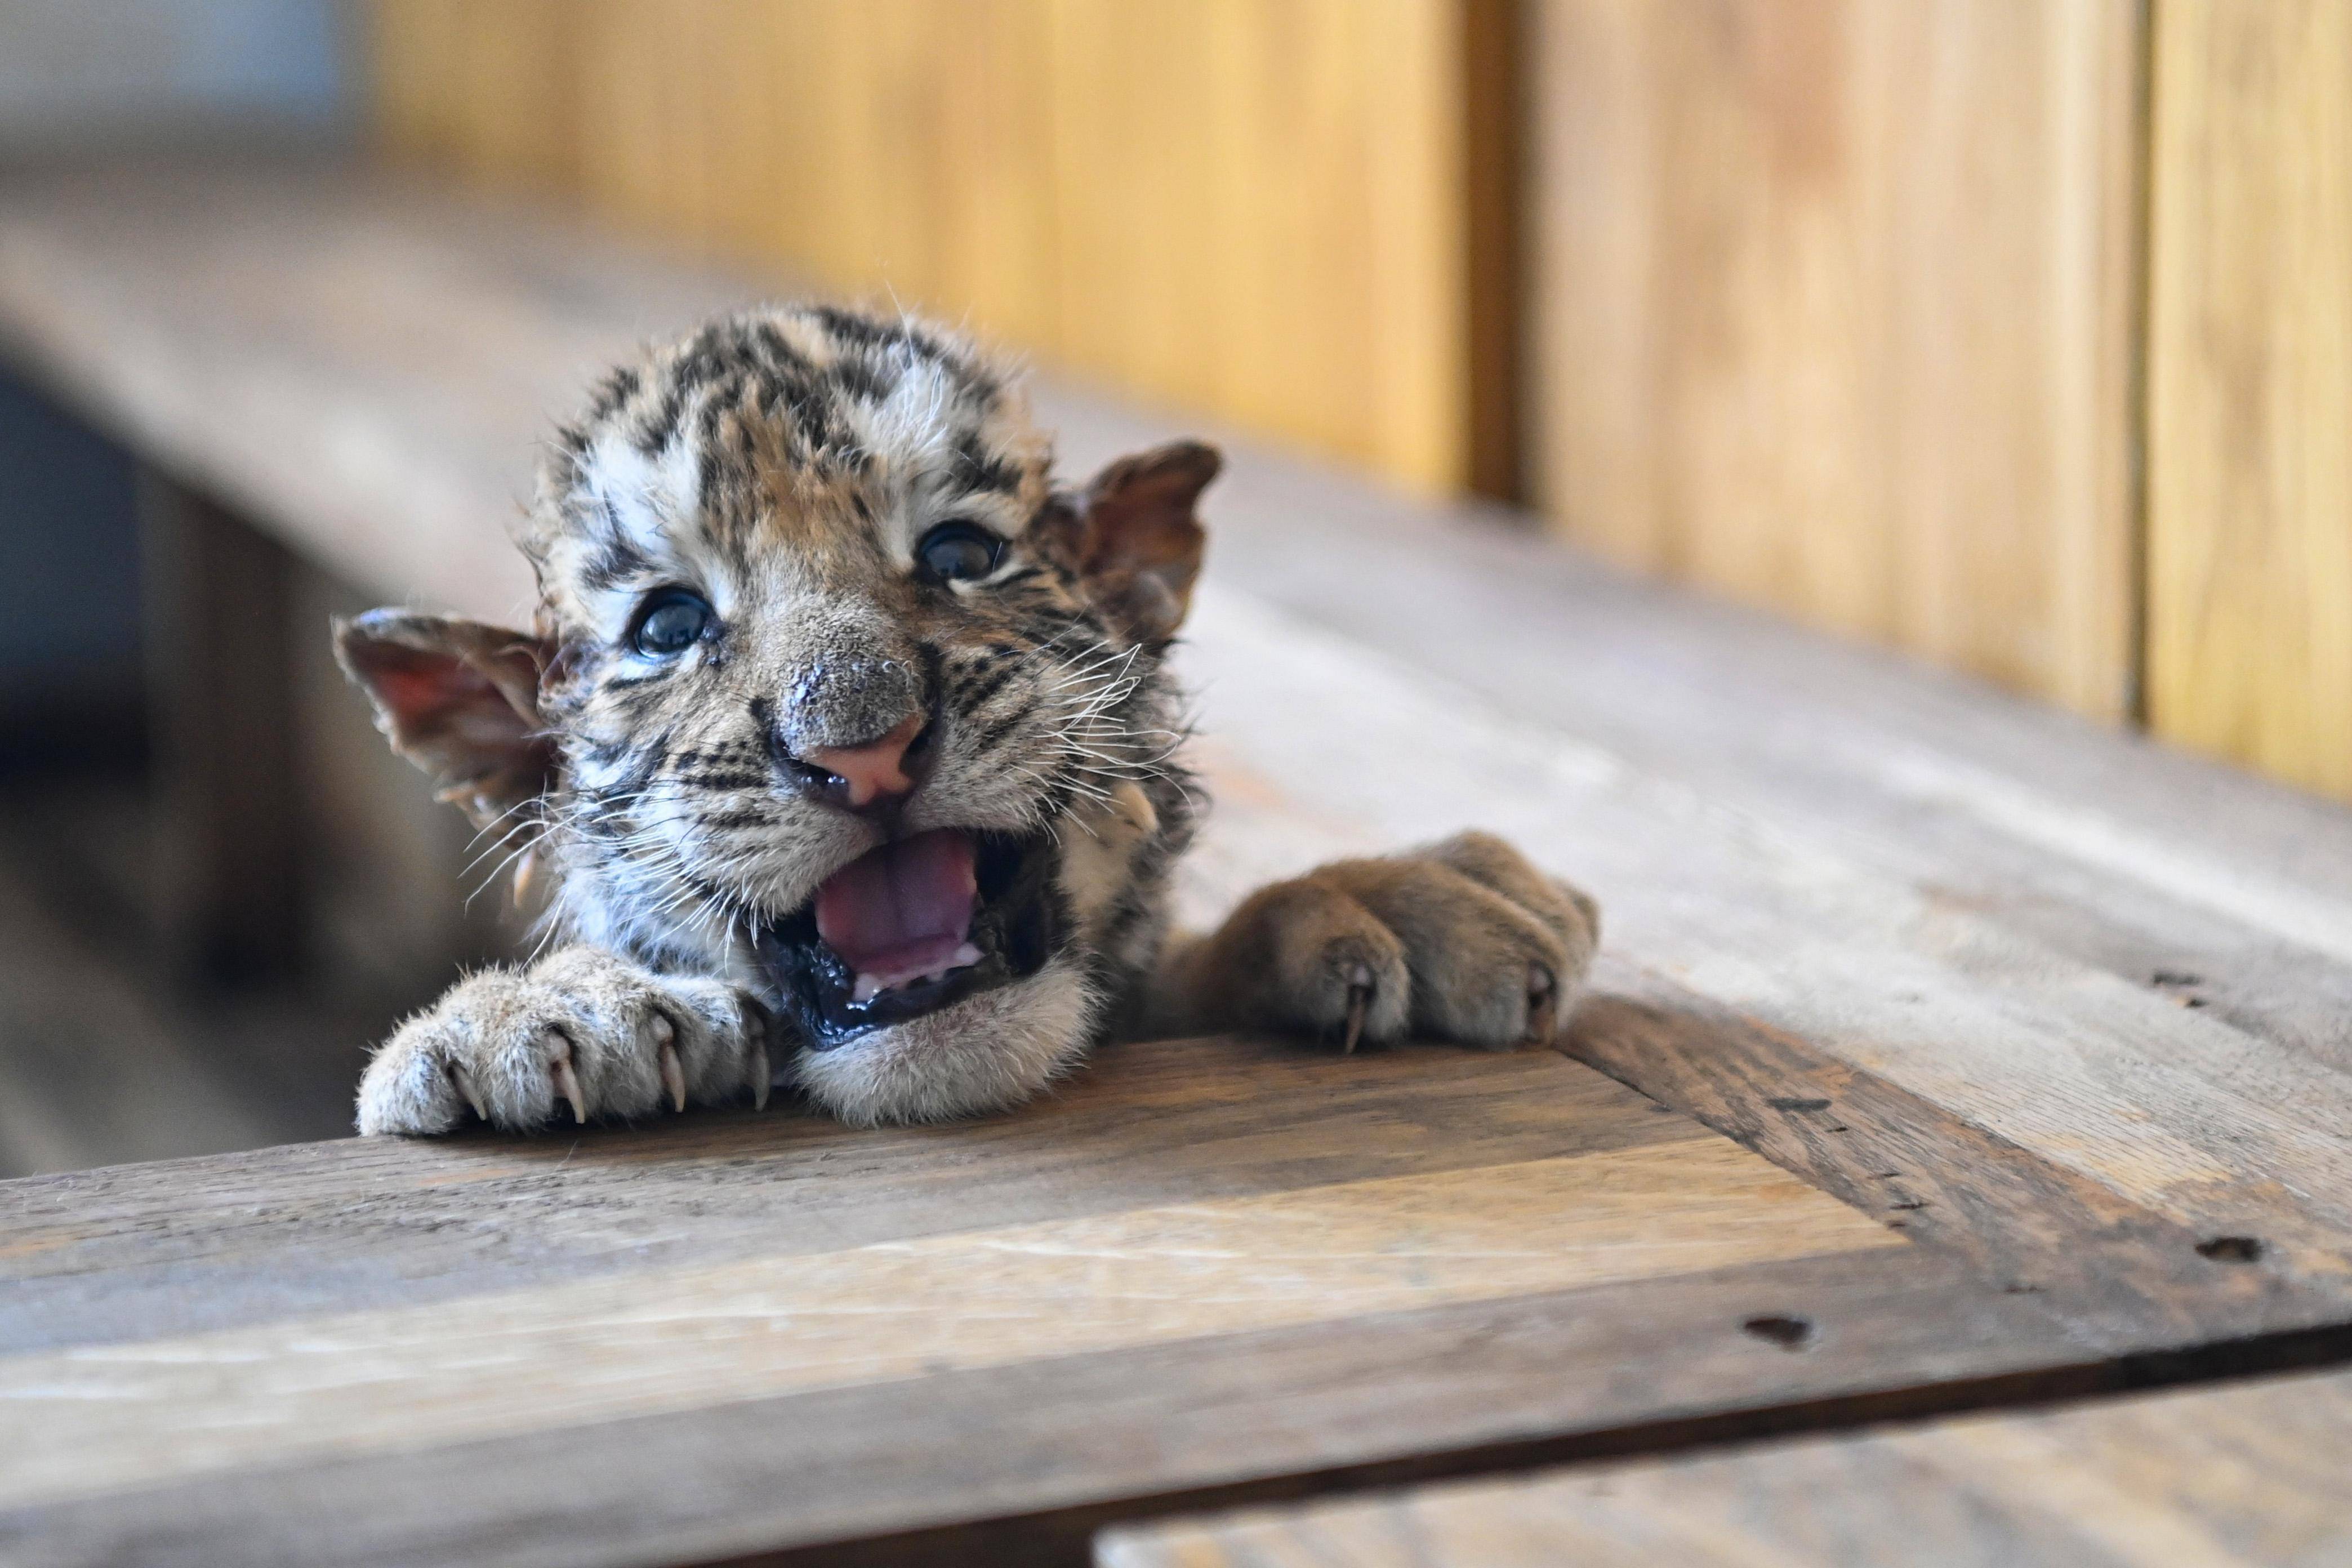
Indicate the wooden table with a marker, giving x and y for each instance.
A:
(1946, 1052)
(2250, 1475)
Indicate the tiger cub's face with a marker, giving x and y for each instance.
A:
(834, 695)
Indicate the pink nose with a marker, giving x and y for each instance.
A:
(876, 769)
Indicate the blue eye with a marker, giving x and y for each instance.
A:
(670, 622)
(959, 552)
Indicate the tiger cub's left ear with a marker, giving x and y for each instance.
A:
(459, 698)
(1139, 545)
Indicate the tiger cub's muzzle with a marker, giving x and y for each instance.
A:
(911, 927)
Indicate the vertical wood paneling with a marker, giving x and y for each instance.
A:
(1253, 208)
(1833, 312)
(481, 87)
(1263, 214)
(2249, 362)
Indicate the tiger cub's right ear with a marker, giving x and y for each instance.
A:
(459, 698)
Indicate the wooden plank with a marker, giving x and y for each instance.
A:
(1181, 1227)
(2040, 878)
(2111, 1267)
(102, 1257)
(2091, 865)
(2249, 391)
(2163, 1105)
(1860, 918)
(227, 373)
(2245, 1476)
(1021, 1463)
(1833, 312)
(660, 1340)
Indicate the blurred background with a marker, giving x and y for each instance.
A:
(2012, 334)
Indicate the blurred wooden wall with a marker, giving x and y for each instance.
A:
(1261, 209)
(2013, 333)
(2249, 372)
(1835, 312)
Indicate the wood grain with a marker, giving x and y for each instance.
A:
(2110, 1080)
(2240, 1477)
(1021, 1463)
(2109, 1265)
(1833, 312)
(2249, 386)
(1206, 203)
(98, 1258)
(164, 1408)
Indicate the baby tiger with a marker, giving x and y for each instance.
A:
(845, 736)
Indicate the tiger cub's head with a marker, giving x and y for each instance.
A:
(835, 693)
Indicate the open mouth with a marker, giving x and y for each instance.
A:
(912, 927)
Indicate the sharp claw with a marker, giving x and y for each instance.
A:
(673, 1073)
(1543, 998)
(1360, 1001)
(465, 1082)
(755, 1056)
(567, 1082)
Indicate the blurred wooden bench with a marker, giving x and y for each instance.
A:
(2250, 1475)
(1947, 1051)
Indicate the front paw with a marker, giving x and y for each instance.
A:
(583, 1034)
(1463, 941)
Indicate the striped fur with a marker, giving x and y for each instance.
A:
(784, 463)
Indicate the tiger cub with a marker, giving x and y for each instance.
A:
(845, 739)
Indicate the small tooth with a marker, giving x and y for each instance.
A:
(867, 988)
(966, 954)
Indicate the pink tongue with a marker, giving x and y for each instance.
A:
(902, 909)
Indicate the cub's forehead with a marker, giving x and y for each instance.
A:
(799, 431)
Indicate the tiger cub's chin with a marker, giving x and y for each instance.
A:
(985, 1053)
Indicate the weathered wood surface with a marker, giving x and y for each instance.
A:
(2063, 1012)
(1202, 1266)
(2247, 1476)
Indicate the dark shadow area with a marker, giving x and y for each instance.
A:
(121, 1037)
